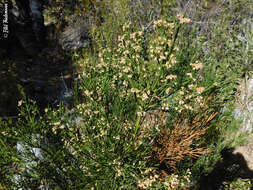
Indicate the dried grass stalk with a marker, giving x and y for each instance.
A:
(179, 142)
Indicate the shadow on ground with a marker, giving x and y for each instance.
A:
(231, 167)
(43, 77)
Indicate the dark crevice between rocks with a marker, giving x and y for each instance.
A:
(44, 70)
(41, 76)
(231, 167)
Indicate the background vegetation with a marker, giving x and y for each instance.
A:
(153, 103)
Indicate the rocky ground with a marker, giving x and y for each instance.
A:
(43, 77)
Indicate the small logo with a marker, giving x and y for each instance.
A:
(5, 21)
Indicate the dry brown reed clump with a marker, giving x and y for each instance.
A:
(179, 142)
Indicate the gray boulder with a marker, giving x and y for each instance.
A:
(244, 106)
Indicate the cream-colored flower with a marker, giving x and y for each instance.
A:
(170, 25)
(126, 52)
(126, 69)
(158, 23)
(197, 65)
(181, 92)
(140, 114)
(167, 90)
(186, 20)
(179, 16)
(162, 57)
(103, 132)
(144, 97)
(200, 90)
(57, 123)
(4, 133)
(135, 90)
(190, 86)
(199, 99)
(168, 65)
(140, 33)
(182, 19)
(137, 48)
(170, 77)
(87, 93)
(158, 49)
(122, 60)
(188, 107)
(173, 60)
(129, 76)
(189, 74)
(20, 102)
(54, 130)
(126, 26)
(120, 39)
(181, 102)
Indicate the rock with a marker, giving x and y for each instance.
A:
(75, 36)
(247, 152)
(30, 156)
(26, 24)
(244, 111)
(22, 148)
(37, 19)
(26, 150)
(244, 106)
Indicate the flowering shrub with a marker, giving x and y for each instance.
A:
(143, 73)
(169, 182)
(150, 104)
(147, 69)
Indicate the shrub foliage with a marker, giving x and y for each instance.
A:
(152, 95)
